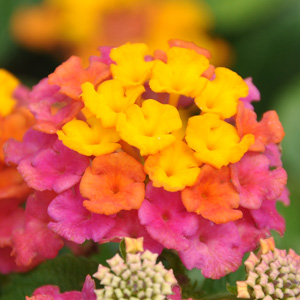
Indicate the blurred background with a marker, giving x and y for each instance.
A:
(255, 38)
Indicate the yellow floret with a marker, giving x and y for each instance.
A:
(173, 168)
(181, 75)
(222, 94)
(8, 83)
(109, 100)
(149, 128)
(89, 138)
(215, 141)
(131, 68)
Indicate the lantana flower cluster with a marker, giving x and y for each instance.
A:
(158, 145)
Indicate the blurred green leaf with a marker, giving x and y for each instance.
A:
(287, 104)
(236, 16)
(6, 10)
(67, 271)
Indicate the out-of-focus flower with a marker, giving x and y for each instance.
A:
(272, 274)
(53, 26)
(137, 276)
(15, 119)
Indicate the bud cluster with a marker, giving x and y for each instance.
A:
(136, 277)
(272, 275)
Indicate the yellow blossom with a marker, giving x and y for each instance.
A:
(89, 138)
(131, 68)
(181, 75)
(109, 100)
(222, 94)
(149, 128)
(173, 168)
(8, 83)
(215, 141)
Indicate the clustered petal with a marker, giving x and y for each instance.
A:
(162, 146)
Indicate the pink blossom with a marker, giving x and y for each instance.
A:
(57, 168)
(73, 221)
(11, 218)
(273, 152)
(253, 95)
(255, 181)
(166, 219)
(214, 249)
(268, 217)
(250, 234)
(51, 108)
(45, 163)
(176, 293)
(128, 225)
(104, 56)
(33, 142)
(35, 240)
(52, 292)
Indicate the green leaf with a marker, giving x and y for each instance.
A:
(66, 271)
(231, 288)
(123, 249)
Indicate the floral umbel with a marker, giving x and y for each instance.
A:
(162, 146)
(138, 276)
(272, 274)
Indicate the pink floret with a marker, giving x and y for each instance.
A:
(128, 225)
(35, 240)
(250, 234)
(256, 181)
(214, 249)
(51, 108)
(57, 168)
(253, 95)
(33, 142)
(166, 219)
(268, 217)
(45, 163)
(52, 292)
(74, 222)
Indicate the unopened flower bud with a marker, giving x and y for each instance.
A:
(272, 274)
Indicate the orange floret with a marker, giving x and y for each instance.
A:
(12, 184)
(213, 196)
(215, 141)
(173, 176)
(114, 182)
(71, 74)
(14, 126)
(150, 127)
(268, 130)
